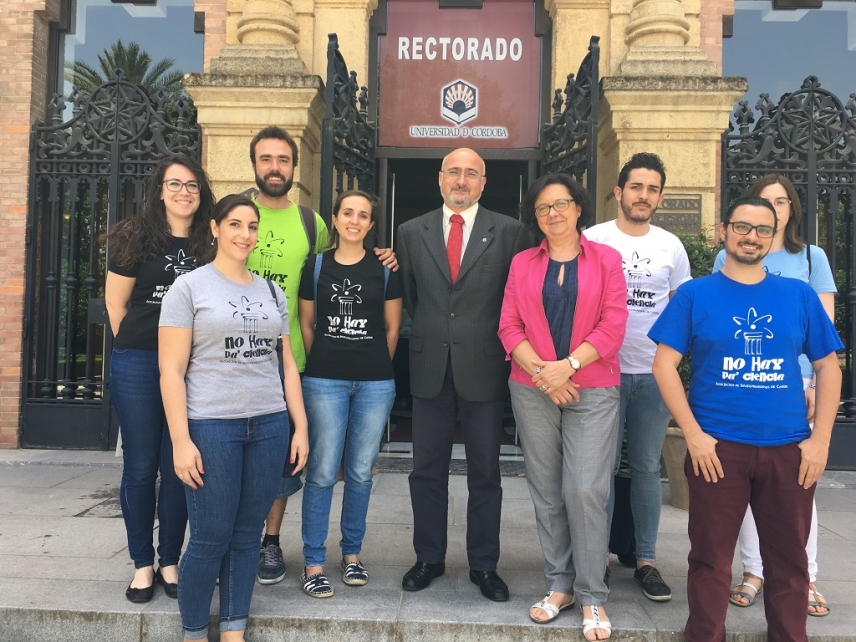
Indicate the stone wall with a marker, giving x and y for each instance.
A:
(24, 31)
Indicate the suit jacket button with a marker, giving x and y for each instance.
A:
(453, 315)
(445, 345)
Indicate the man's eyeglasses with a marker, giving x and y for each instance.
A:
(175, 185)
(763, 231)
(457, 172)
(560, 206)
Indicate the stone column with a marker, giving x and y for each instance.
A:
(349, 19)
(574, 23)
(665, 97)
(259, 79)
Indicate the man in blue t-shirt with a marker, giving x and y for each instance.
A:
(745, 420)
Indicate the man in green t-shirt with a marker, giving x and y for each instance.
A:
(280, 254)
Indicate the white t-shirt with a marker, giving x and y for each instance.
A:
(654, 265)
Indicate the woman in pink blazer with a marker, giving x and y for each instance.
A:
(562, 323)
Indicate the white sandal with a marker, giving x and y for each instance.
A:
(590, 624)
(551, 609)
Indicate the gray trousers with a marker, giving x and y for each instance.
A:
(569, 452)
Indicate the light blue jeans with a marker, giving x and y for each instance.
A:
(645, 417)
(344, 416)
(243, 460)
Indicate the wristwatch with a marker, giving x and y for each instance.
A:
(575, 363)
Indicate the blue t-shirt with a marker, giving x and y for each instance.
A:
(744, 342)
(795, 266)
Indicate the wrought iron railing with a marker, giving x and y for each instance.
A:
(809, 136)
(86, 173)
(569, 143)
(348, 138)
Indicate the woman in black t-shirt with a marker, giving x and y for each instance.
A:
(348, 385)
(147, 253)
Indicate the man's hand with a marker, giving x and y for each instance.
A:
(702, 450)
(386, 256)
(809, 404)
(813, 462)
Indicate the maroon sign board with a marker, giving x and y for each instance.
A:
(459, 77)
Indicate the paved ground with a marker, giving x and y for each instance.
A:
(64, 569)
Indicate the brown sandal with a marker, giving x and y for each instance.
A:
(816, 599)
(738, 591)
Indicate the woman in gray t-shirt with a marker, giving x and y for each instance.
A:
(224, 404)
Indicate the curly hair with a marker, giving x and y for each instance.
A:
(577, 192)
(140, 238)
(792, 240)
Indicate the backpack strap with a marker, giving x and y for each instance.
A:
(278, 336)
(307, 217)
(808, 257)
(385, 280)
(316, 275)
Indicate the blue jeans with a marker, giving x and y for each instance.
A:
(243, 460)
(645, 417)
(146, 448)
(349, 417)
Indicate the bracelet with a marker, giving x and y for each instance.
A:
(812, 386)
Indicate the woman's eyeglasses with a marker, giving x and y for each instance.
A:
(175, 185)
(560, 206)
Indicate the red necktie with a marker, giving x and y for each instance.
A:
(454, 245)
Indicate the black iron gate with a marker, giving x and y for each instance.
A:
(809, 137)
(85, 174)
(348, 138)
(569, 143)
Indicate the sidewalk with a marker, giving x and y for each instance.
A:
(64, 569)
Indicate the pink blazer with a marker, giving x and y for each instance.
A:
(599, 318)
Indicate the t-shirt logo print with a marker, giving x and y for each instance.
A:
(754, 329)
(180, 263)
(347, 295)
(250, 313)
(635, 269)
(269, 249)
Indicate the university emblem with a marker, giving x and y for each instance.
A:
(459, 101)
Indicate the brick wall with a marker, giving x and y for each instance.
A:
(216, 12)
(711, 27)
(24, 29)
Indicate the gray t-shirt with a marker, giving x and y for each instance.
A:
(233, 371)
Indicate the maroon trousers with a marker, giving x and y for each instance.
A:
(765, 478)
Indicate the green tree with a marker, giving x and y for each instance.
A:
(137, 65)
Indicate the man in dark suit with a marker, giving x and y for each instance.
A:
(454, 264)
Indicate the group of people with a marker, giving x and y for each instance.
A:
(272, 353)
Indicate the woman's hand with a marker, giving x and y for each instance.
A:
(566, 393)
(809, 403)
(552, 374)
(188, 463)
(299, 453)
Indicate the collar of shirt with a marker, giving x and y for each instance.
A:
(469, 216)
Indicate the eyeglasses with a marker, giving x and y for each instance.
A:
(560, 206)
(175, 185)
(742, 228)
(781, 202)
(457, 172)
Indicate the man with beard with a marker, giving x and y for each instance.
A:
(655, 264)
(745, 420)
(455, 262)
(282, 249)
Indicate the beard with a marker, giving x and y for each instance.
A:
(274, 191)
(744, 259)
(644, 217)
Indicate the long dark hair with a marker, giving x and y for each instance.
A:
(577, 192)
(792, 239)
(140, 238)
(333, 238)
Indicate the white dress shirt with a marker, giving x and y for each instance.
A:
(469, 216)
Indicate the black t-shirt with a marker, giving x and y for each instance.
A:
(139, 328)
(350, 340)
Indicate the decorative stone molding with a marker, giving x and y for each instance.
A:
(657, 22)
(268, 22)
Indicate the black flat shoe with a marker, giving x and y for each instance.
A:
(140, 595)
(420, 576)
(491, 585)
(170, 588)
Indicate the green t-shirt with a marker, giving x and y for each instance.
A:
(279, 256)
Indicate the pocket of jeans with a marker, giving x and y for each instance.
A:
(121, 350)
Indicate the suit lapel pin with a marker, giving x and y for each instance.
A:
(484, 240)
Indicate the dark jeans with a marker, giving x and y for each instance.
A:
(146, 448)
(765, 478)
(433, 428)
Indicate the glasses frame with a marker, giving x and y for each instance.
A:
(782, 202)
(552, 206)
(462, 174)
(185, 185)
(752, 227)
